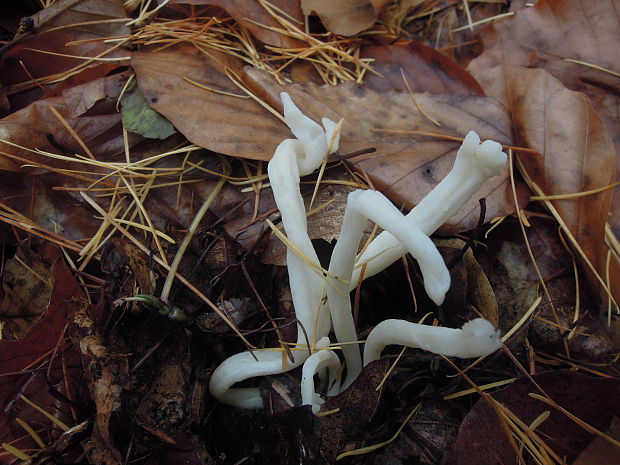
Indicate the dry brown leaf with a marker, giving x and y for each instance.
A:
(137, 262)
(405, 166)
(36, 197)
(89, 74)
(425, 69)
(345, 17)
(78, 12)
(516, 286)
(551, 32)
(478, 288)
(41, 340)
(353, 409)
(256, 18)
(55, 28)
(546, 36)
(448, 31)
(576, 155)
(428, 434)
(206, 118)
(90, 109)
(106, 373)
(482, 438)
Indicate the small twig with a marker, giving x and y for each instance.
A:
(148, 354)
(289, 354)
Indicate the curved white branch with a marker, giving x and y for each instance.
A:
(475, 163)
(361, 206)
(320, 360)
(476, 338)
(243, 366)
(292, 159)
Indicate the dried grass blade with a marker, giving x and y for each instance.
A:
(165, 293)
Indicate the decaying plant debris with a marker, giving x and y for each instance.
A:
(141, 241)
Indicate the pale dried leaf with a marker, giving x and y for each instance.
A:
(576, 154)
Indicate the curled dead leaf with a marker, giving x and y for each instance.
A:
(89, 109)
(345, 17)
(478, 288)
(577, 155)
(71, 28)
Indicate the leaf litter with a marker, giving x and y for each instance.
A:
(131, 378)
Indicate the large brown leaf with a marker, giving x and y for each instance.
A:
(546, 36)
(576, 154)
(551, 32)
(405, 166)
(40, 341)
(229, 125)
(482, 439)
(74, 13)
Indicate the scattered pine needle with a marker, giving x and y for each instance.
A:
(575, 195)
(577, 420)
(16, 452)
(483, 387)
(318, 269)
(447, 137)
(566, 230)
(511, 161)
(374, 447)
(144, 249)
(176, 262)
(415, 101)
(32, 433)
(211, 89)
(48, 415)
(593, 66)
(471, 25)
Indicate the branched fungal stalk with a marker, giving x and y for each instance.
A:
(362, 206)
(475, 163)
(293, 158)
